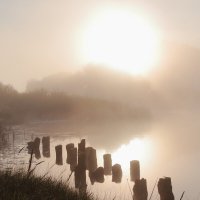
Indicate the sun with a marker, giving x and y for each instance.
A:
(121, 40)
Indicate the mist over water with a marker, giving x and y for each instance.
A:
(174, 150)
(48, 87)
(112, 110)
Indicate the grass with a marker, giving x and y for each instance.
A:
(18, 186)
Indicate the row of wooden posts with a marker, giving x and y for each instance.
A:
(84, 158)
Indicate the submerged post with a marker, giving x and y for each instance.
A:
(73, 158)
(30, 147)
(80, 171)
(68, 148)
(134, 170)
(165, 189)
(34, 148)
(91, 159)
(97, 175)
(37, 148)
(46, 146)
(59, 158)
(107, 164)
(116, 173)
(140, 190)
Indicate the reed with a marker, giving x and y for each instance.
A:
(17, 186)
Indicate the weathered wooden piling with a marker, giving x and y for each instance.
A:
(134, 170)
(107, 164)
(91, 159)
(59, 158)
(81, 154)
(97, 175)
(80, 171)
(46, 146)
(37, 148)
(165, 189)
(34, 148)
(116, 173)
(92, 180)
(30, 147)
(73, 158)
(68, 148)
(80, 179)
(140, 190)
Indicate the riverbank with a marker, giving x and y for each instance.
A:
(19, 186)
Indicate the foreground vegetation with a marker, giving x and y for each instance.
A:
(19, 186)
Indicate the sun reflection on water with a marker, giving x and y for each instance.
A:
(137, 149)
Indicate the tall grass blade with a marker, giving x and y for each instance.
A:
(182, 195)
(153, 189)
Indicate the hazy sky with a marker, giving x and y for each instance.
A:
(43, 37)
(38, 38)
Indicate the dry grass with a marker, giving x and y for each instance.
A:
(19, 186)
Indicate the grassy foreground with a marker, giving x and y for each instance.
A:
(17, 186)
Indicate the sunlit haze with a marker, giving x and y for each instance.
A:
(123, 75)
(137, 149)
(122, 40)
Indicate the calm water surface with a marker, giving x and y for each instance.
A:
(161, 150)
(14, 156)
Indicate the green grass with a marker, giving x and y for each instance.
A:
(17, 186)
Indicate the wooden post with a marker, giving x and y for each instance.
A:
(34, 147)
(46, 146)
(107, 164)
(37, 148)
(68, 148)
(97, 175)
(80, 171)
(81, 154)
(91, 159)
(92, 180)
(30, 147)
(79, 175)
(73, 158)
(165, 189)
(135, 170)
(116, 173)
(59, 158)
(140, 190)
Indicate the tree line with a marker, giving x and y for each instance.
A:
(18, 107)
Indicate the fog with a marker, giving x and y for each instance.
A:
(41, 38)
(171, 97)
(48, 87)
(106, 97)
(173, 82)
